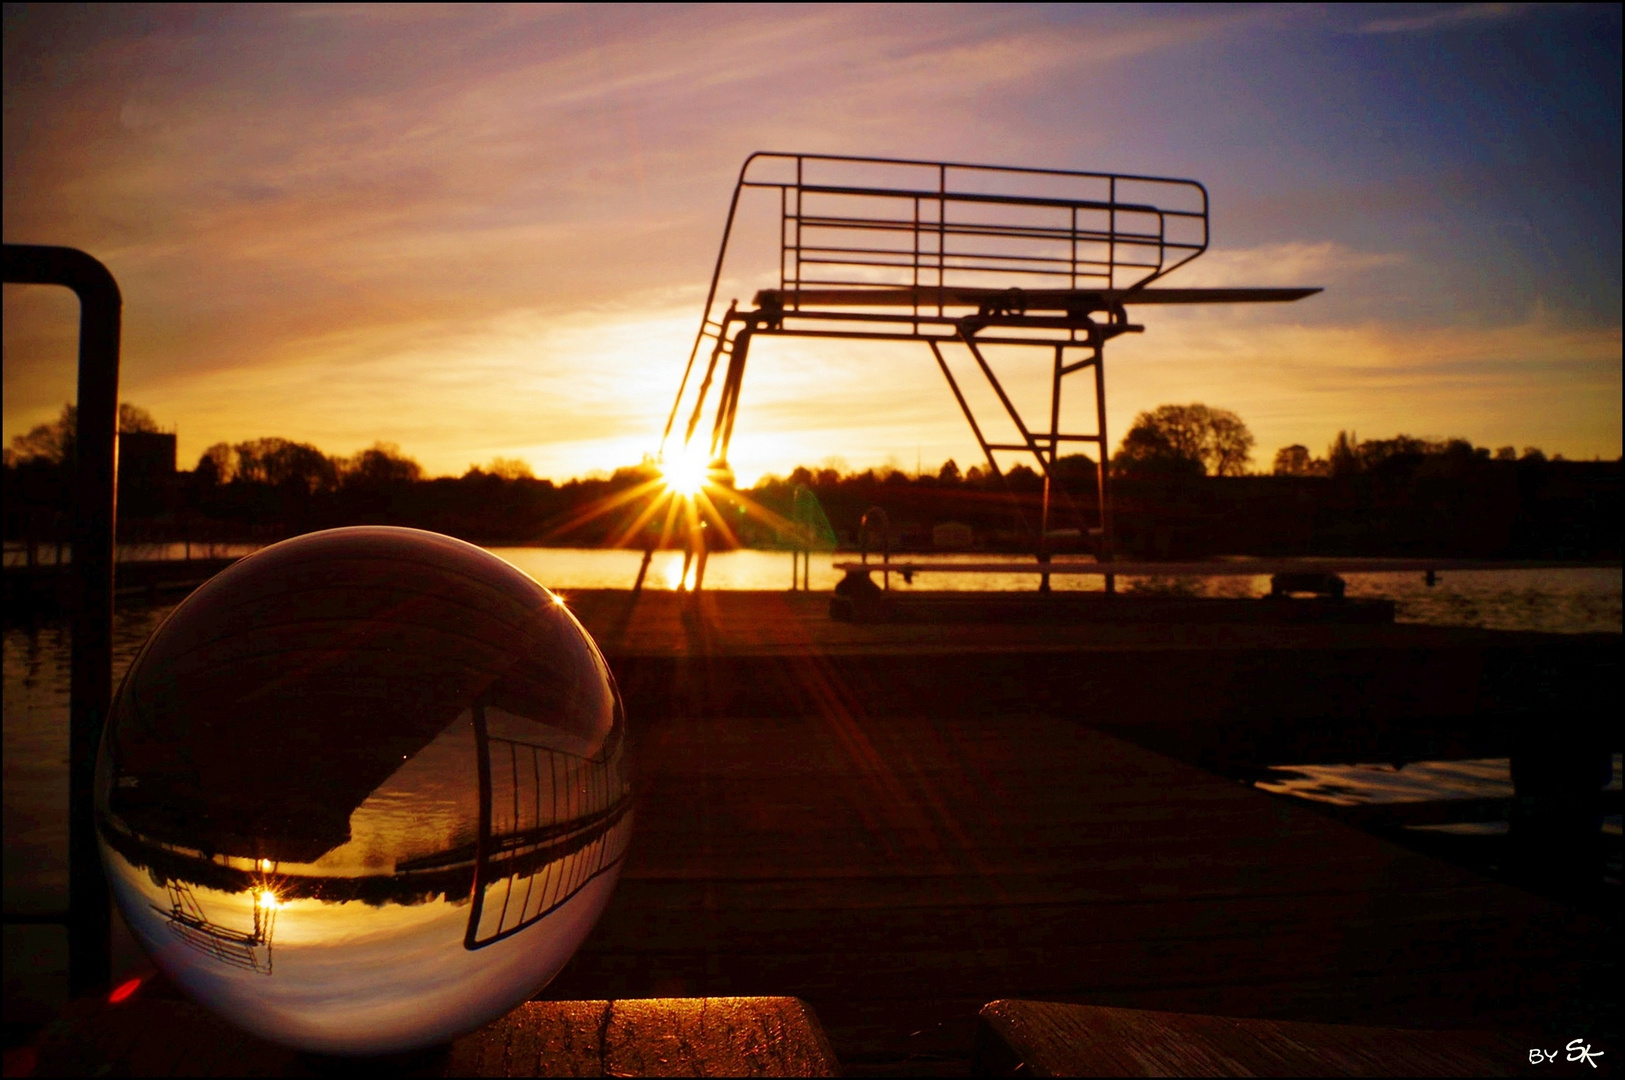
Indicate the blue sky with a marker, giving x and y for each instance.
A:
(486, 231)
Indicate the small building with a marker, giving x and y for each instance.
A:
(951, 535)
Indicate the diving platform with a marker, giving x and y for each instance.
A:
(958, 258)
(1018, 300)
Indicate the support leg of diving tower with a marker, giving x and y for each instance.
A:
(722, 432)
(643, 571)
(1101, 467)
(699, 566)
(1054, 444)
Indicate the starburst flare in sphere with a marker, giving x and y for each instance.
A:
(364, 791)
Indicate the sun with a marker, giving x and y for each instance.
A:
(686, 473)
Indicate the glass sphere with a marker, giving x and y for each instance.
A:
(365, 790)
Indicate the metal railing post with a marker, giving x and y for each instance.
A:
(95, 513)
(885, 541)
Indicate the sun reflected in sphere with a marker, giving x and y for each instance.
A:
(364, 791)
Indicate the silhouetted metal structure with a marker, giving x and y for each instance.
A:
(95, 507)
(547, 828)
(247, 949)
(948, 254)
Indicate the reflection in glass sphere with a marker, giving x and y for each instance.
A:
(365, 790)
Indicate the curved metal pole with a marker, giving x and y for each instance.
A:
(710, 298)
(95, 514)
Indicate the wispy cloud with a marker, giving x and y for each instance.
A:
(1446, 18)
(1295, 262)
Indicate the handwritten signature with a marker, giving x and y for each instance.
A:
(1578, 1051)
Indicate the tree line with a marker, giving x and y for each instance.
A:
(1180, 479)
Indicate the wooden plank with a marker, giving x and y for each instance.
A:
(156, 1033)
(1048, 1039)
(736, 1036)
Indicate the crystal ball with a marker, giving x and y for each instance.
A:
(365, 790)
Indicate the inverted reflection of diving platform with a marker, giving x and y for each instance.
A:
(249, 950)
(958, 258)
(554, 816)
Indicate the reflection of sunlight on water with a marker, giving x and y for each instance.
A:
(16, 554)
(1578, 600)
(1584, 599)
(1418, 781)
(1575, 600)
(1353, 785)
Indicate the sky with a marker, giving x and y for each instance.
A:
(486, 232)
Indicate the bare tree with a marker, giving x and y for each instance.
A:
(510, 469)
(380, 465)
(214, 465)
(134, 420)
(1344, 454)
(1295, 460)
(283, 463)
(1186, 438)
(51, 442)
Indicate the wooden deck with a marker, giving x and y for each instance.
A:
(734, 623)
(1231, 696)
(900, 867)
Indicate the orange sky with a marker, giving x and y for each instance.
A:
(487, 232)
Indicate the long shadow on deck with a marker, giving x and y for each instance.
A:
(900, 870)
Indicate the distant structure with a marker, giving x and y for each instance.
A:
(954, 257)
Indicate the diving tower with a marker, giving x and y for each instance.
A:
(954, 257)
